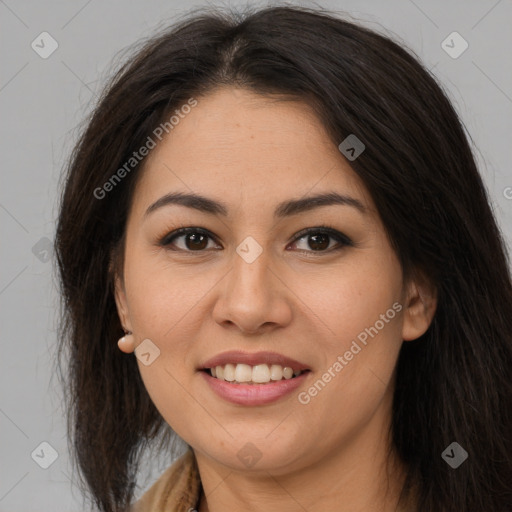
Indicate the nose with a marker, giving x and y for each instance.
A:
(254, 298)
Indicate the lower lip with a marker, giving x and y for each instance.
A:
(254, 394)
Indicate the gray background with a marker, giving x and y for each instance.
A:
(42, 102)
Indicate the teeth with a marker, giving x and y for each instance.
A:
(259, 374)
(288, 373)
(276, 372)
(229, 372)
(243, 373)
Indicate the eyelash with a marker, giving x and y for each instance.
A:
(343, 240)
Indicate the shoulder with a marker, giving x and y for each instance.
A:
(177, 489)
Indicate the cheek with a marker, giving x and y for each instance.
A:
(359, 310)
(356, 376)
(352, 295)
(162, 296)
(162, 302)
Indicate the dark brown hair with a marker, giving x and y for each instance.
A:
(452, 384)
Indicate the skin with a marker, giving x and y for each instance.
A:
(252, 152)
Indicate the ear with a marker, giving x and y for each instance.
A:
(122, 303)
(420, 306)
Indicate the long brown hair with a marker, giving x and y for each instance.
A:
(453, 384)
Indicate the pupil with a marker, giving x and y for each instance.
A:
(320, 241)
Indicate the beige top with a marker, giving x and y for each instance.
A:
(177, 489)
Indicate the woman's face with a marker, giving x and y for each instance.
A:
(250, 281)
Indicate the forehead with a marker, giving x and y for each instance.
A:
(244, 147)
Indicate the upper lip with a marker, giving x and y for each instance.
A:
(253, 359)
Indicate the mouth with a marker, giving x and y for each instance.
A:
(260, 368)
(256, 385)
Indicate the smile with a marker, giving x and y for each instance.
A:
(260, 378)
(259, 374)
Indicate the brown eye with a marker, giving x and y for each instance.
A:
(319, 240)
(194, 240)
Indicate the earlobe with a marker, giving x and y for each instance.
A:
(419, 310)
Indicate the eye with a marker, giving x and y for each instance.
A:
(194, 239)
(319, 239)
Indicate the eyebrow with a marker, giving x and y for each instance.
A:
(284, 209)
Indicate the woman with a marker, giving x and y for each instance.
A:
(283, 215)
